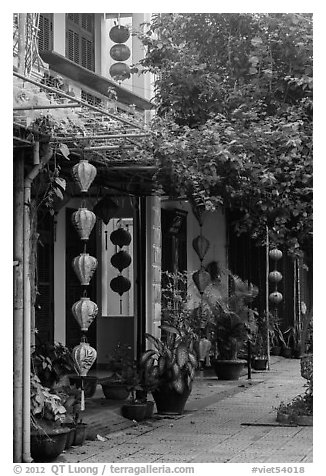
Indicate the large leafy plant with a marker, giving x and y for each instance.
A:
(171, 362)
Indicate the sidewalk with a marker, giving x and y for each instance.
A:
(224, 422)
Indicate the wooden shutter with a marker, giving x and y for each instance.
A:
(80, 39)
(45, 38)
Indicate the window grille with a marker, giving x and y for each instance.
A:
(45, 37)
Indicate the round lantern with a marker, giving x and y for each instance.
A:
(275, 254)
(275, 276)
(119, 34)
(84, 312)
(120, 52)
(200, 244)
(84, 221)
(121, 260)
(201, 279)
(120, 71)
(84, 266)
(105, 209)
(275, 297)
(120, 285)
(120, 237)
(84, 174)
(84, 357)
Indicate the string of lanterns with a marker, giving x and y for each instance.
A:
(275, 277)
(120, 260)
(201, 277)
(119, 52)
(84, 265)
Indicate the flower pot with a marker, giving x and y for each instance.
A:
(70, 436)
(115, 391)
(80, 434)
(134, 411)
(259, 363)
(304, 420)
(276, 350)
(228, 369)
(90, 384)
(284, 418)
(47, 446)
(169, 401)
(149, 409)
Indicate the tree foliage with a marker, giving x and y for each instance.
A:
(234, 126)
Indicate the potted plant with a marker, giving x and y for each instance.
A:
(170, 366)
(48, 432)
(52, 363)
(231, 321)
(136, 406)
(115, 386)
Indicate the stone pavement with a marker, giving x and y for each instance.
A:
(224, 422)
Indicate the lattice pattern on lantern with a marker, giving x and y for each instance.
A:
(275, 277)
(120, 260)
(84, 357)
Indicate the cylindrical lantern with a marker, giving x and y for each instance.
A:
(105, 209)
(120, 285)
(200, 245)
(120, 71)
(275, 297)
(84, 312)
(201, 279)
(275, 276)
(120, 52)
(275, 254)
(84, 174)
(84, 266)
(84, 221)
(120, 237)
(119, 34)
(121, 260)
(84, 357)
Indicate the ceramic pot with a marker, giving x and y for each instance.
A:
(168, 401)
(259, 363)
(47, 446)
(149, 409)
(70, 436)
(114, 391)
(90, 384)
(134, 411)
(228, 369)
(80, 434)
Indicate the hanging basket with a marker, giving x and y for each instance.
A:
(201, 279)
(84, 312)
(120, 285)
(120, 237)
(84, 357)
(105, 209)
(201, 245)
(84, 266)
(84, 221)
(84, 174)
(121, 260)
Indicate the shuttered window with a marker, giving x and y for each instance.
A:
(80, 39)
(45, 37)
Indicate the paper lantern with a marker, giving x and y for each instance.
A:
(200, 244)
(121, 260)
(119, 34)
(84, 221)
(201, 279)
(275, 276)
(275, 254)
(120, 52)
(120, 285)
(275, 297)
(84, 357)
(84, 174)
(84, 312)
(105, 209)
(120, 71)
(84, 266)
(120, 237)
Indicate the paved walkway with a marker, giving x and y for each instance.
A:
(224, 422)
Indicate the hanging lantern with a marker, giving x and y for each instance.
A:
(201, 279)
(121, 260)
(275, 297)
(200, 244)
(120, 52)
(275, 254)
(84, 312)
(105, 209)
(84, 357)
(84, 266)
(84, 221)
(119, 34)
(84, 174)
(120, 237)
(120, 285)
(120, 71)
(275, 276)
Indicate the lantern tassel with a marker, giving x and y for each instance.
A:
(82, 399)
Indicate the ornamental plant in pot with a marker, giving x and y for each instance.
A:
(52, 362)
(170, 367)
(135, 407)
(231, 322)
(115, 386)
